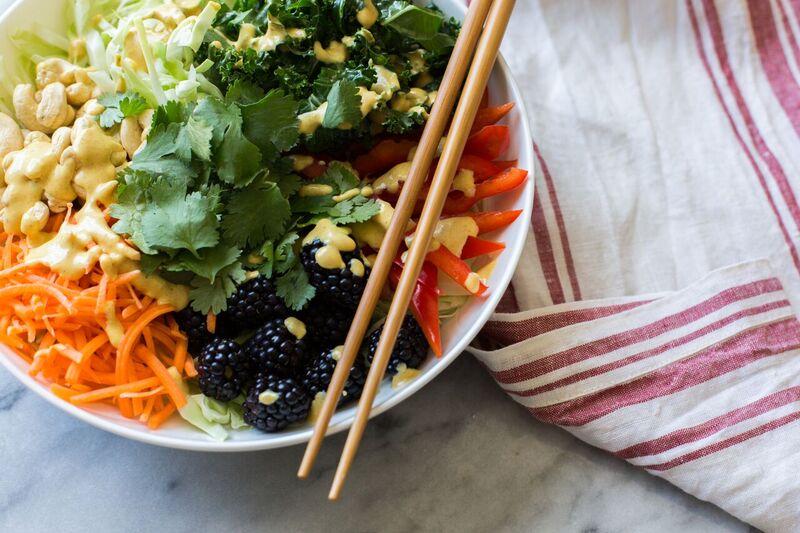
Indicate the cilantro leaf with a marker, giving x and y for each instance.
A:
(175, 220)
(132, 200)
(294, 287)
(279, 256)
(236, 158)
(256, 213)
(271, 123)
(339, 178)
(212, 296)
(165, 154)
(344, 105)
(199, 134)
(288, 183)
(119, 106)
(211, 262)
(357, 209)
(244, 92)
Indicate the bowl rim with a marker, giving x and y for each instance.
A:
(276, 440)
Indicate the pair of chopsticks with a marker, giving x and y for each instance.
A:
(481, 33)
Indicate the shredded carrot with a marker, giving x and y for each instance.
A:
(158, 418)
(161, 372)
(115, 390)
(58, 326)
(189, 368)
(211, 322)
(143, 394)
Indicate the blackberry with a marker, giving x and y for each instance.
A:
(193, 325)
(253, 303)
(338, 284)
(276, 350)
(327, 322)
(319, 371)
(411, 347)
(274, 402)
(222, 368)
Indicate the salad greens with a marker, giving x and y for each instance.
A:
(235, 88)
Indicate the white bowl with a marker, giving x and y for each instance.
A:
(457, 332)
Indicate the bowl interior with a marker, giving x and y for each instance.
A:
(458, 331)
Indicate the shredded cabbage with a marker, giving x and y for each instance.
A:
(185, 41)
(208, 414)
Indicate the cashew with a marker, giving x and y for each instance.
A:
(53, 110)
(191, 7)
(93, 108)
(54, 70)
(79, 93)
(34, 219)
(82, 76)
(169, 14)
(70, 116)
(11, 139)
(36, 137)
(145, 121)
(130, 135)
(77, 50)
(61, 140)
(25, 107)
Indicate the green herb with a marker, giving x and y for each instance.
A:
(344, 105)
(119, 106)
(199, 196)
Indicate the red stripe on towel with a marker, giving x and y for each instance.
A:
(727, 443)
(684, 436)
(760, 175)
(675, 343)
(545, 249)
(512, 332)
(562, 229)
(602, 346)
(736, 352)
(774, 61)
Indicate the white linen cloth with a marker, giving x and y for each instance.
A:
(653, 312)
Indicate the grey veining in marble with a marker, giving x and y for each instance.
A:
(458, 456)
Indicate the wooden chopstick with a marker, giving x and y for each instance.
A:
(478, 76)
(440, 115)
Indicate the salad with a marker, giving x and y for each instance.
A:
(193, 193)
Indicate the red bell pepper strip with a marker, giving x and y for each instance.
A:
(383, 156)
(491, 115)
(484, 99)
(424, 302)
(481, 168)
(492, 220)
(489, 142)
(315, 169)
(457, 270)
(475, 247)
(502, 165)
(503, 182)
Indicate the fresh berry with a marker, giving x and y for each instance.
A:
(222, 368)
(327, 322)
(276, 350)
(274, 402)
(193, 325)
(253, 303)
(319, 372)
(339, 284)
(411, 347)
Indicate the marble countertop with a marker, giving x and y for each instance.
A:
(477, 462)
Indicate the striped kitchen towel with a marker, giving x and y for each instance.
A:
(653, 312)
